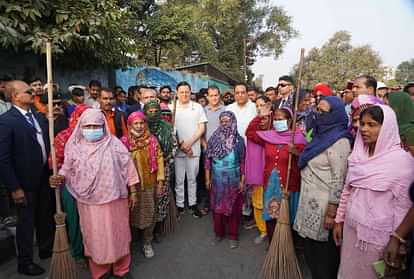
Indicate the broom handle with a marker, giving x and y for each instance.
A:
(51, 120)
(295, 115)
(174, 110)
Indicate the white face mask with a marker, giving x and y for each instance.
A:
(280, 125)
(92, 134)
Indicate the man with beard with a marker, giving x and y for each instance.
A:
(165, 98)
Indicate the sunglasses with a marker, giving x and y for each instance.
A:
(283, 84)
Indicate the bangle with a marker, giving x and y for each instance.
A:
(397, 236)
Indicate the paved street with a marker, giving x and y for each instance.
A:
(188, 254)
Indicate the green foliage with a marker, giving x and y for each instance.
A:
(337, 61)
(184, 32)
(123, 32)
(405, 72)
(75, 26)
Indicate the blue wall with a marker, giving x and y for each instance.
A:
(156, 77)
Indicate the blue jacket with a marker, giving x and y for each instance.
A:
(21, 160)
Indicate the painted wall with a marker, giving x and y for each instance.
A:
(152, 76)
(26, 65)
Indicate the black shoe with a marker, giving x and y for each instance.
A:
(31, 269)
(180, 211)
(45, 255)
(196, 212)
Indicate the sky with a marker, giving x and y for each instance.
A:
(386, 25)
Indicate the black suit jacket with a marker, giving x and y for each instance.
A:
(21, 160)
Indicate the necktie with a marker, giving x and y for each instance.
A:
(29, 116)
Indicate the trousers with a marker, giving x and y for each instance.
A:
(186, 166)
(120, 268)
(233, 221)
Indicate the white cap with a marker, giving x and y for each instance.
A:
(380, 84)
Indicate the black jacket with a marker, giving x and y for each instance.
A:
(21, 160)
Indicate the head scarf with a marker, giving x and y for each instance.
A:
(135, 143)
(62, 137)
(159, 128)
(362, 102)
(98, 171)
(328, 128)
(274, 137)
(366, 171)
(76, 114)
(403, 106)
(224, 139)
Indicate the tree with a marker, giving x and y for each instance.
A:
(183, 32)
(405, 72)
(90, 29)
(337, 61)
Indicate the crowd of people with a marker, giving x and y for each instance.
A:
(130, 162)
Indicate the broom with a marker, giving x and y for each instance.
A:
(62, 265)
(281, 261)
(170, 223)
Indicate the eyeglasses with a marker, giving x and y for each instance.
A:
(283, 84)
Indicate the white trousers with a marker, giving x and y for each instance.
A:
(186, 166)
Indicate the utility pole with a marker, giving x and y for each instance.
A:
(244, 59)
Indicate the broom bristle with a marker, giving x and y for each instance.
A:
(281, 261)
(62, 265)
(170, 223)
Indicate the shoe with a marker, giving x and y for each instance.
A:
(196, 212)
(234, 244)
(180, 211)
(45, 255)
(260, 239)
(31, 269)
(148, 251)
(216, 240)
(250, 225)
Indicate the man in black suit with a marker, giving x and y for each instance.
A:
(24, 148)
(286, 93)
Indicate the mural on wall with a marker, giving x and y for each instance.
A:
(155, 77)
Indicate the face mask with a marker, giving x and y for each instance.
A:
(280, 125)
(93, 134)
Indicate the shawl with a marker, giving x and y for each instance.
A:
(161, 129)
(96, 172)
(62, 137)
(403, 106)
(368, 172)
(224, 139)
(328, 128)
(362, 102)
(134, 143)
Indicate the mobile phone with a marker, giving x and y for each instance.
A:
(379, 268)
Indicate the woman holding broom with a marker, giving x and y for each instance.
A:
(374, 201)
(277, 147)
(100, 175)
(225, 177)
(323, 165)
(68, 202)
(163, 131)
